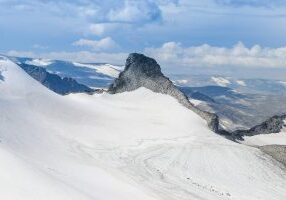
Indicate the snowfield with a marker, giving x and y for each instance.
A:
(106, 69)
(266, 139)
(220, 81)
(39, 62)
(137, 145)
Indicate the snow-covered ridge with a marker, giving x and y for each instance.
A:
(240, 82)
(134, 145)
(221, 81)
(107, 69)
(39, 62)
(283, 83)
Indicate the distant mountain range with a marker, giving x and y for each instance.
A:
(236, 110)
(93, 75)
(240, 103)
(256, 86)
(140, 139)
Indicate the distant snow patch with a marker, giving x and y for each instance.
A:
(266, 139)
(83, 65)
(39, 62)
(2, 67)
(182, 81)
(221, 81)
(195, 102)
(283, 83)
(106, 69)
(242, 83)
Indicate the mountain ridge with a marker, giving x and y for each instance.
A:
(143, 71)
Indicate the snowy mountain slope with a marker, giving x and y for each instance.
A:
(107, 69)
(272, 132)
(133, 145)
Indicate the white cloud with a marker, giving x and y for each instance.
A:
(135, 11)
(97, 45)
(174, 54)
(97, 29)
(38, 46)
(79, 56)
(100, 29)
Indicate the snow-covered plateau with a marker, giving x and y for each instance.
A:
(135, 145)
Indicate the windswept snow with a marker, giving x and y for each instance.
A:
(283, 83)
(221, 81)
(196, 102)
(39, 62)
(106, 69)
(267, 139)
(134, 145)
(182, 81)
(109, 70)
(240, 82)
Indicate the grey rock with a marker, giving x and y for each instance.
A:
(274, 124)
(54, 82)
(142, 71)
(278, 152)
(1, 77)
(194, 94)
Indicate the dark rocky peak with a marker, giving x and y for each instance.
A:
(274, 124)
(142, 71)
(141, 65)
(59, 85)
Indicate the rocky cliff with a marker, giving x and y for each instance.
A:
(62, 86)
(274, 124)
(142, 71)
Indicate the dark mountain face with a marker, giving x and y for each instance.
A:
(194, 94)
(1, 77)
(54, 82)
(236, 111)
(274, 124)
(84, 73)
(142, 71)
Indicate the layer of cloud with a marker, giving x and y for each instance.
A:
(131, 11)
(97, 45)
(252, 3)
(78, 56)
(174, 54)
(176, 57)
(135, 11)
(100, 29)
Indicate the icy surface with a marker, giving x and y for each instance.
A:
(107, 69)
(135, 145)
(39, 62)
(221, 81)
(267, 139)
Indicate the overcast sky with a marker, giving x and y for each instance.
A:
(179, 33)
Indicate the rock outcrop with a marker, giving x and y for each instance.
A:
(62, 86)
(278, 152)
(142, 71)
(274, 124)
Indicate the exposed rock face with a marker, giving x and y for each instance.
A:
(54, 82)
(142, 71)
(278, 152)
(273, 125)
(192, 93)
